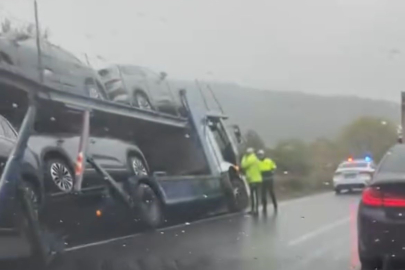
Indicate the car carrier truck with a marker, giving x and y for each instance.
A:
(193, 162)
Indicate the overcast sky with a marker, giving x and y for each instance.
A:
(354, 47)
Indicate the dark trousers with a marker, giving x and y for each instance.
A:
(254, 196)
(268, 187)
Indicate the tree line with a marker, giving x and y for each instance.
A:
(313, 163)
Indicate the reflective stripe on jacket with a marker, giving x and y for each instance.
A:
(251, 166)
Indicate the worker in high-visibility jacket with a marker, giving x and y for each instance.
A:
(267, 168)
(251, 167)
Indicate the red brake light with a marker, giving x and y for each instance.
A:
(374, 197)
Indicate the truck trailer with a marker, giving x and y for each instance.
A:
(193, 163)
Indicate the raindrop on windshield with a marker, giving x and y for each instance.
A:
(162, 232)
(187, 223)
(53, 119)
(183, 231)
(61, 221)
(377, 240)
(205, 196)
(15, 105)
(124, 245)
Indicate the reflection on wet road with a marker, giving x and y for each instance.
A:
(307, 233)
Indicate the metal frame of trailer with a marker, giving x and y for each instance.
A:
(43, 246)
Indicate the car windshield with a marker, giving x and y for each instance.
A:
(202, 134)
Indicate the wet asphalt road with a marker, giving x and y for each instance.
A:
(317, 232)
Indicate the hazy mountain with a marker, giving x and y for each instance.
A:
(281, 115)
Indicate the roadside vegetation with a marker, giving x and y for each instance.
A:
(307, 167)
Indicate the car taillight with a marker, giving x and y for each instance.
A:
(375, 197)
(79, 164)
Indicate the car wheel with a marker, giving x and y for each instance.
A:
(95, 92)
(33, 197)
(149, 206)
(138, 166)
(142, 101)
(337, 191)
(240, 196)
(60, 174)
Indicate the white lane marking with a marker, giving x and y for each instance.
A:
(318, 231)
(224, 216)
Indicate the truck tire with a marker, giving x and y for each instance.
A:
(240, 198)
(148, 206)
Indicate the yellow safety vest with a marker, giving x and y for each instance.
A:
(251, 165)
(267, 165)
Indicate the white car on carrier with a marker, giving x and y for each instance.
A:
(353, 174)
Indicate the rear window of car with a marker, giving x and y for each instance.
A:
(394, 161)
(354, 165)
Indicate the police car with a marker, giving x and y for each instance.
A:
(353, 174)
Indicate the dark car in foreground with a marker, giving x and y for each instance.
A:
(139, 87)
(60, 69)
(381, 215)
(31, 173)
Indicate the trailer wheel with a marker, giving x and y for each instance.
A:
(27, 224)
(59, 173)
(33, 197)
(240, 196)
(149, 206)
